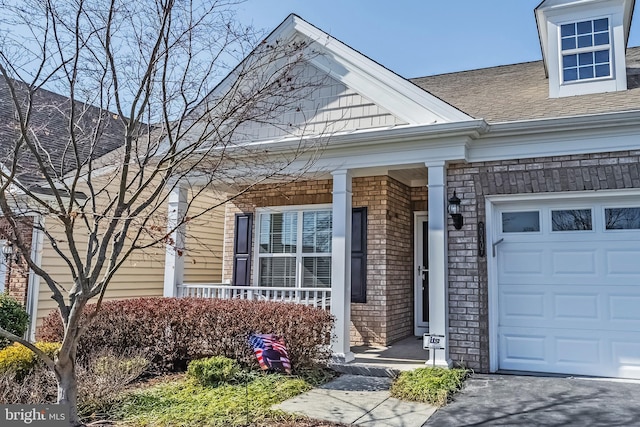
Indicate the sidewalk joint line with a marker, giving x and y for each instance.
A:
(372, 409)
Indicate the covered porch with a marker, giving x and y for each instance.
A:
(402, 262)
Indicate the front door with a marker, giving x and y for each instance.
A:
(421, 274)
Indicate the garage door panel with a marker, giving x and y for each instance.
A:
(549, 266)
(520, 347)
(526, 306)
(568, 351)
(626, 356)
(575, 306)
(519, 260)
(625, 308)
(569, 301)
(623, 264)
(571, 307)
(573, 263)
(573, 350)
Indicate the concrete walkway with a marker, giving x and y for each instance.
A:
(358, 400)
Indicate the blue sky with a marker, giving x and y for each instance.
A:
(421, 37)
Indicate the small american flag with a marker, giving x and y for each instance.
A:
(271, 352)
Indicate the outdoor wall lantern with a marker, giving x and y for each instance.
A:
(454, 211)
(7, 251)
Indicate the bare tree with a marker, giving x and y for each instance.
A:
(145, 108)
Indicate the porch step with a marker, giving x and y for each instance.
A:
(364, 369)
(388, 361)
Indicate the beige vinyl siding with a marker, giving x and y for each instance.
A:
(332, 107)
(204, 237)
(141, 275)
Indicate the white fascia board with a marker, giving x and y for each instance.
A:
(557, 137)
(391, 152)
(398, 134)
(398, 154)
(382, 86)
(387, 148)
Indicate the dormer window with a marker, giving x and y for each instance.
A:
(584, 45)
(586, 50)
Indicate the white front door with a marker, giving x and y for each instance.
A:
(568, 286)
(421, 274)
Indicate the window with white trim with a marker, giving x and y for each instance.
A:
(586, 50)
(294, 248)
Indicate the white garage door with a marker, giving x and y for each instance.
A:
(568, 287)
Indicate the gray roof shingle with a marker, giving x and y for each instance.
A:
(521, 92)
(50, 127)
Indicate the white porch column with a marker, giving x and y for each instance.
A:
(174, 259)
(438, 258)
(33, 286)
(341, 265)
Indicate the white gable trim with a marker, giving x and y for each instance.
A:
(395, 94)
(387, 89)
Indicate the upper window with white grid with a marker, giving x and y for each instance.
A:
(586, 50)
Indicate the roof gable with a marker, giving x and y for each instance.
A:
(398, 100)
(387, 89)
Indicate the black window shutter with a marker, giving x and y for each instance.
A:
(359, 255)
(242, 250)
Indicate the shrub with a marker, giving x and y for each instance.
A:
(37, 386)
(13, 318)
(430, 385)
(214, 371)
(172, 331)
(19, 360)
(102, 381)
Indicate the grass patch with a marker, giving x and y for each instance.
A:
(429, 385)
(185, 402)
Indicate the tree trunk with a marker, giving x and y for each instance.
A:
(68, 387)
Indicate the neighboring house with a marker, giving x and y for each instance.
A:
(142, 275)
(540, 272)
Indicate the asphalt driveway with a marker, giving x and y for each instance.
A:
(516, 400)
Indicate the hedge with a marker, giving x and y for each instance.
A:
(173, 331)
(20, 360)
(13, 318)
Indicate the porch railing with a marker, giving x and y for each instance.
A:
(317, 297)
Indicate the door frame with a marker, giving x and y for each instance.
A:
(419, 328)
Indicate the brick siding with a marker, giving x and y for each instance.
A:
(388, 313)
(468, 283)
(17, 273)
